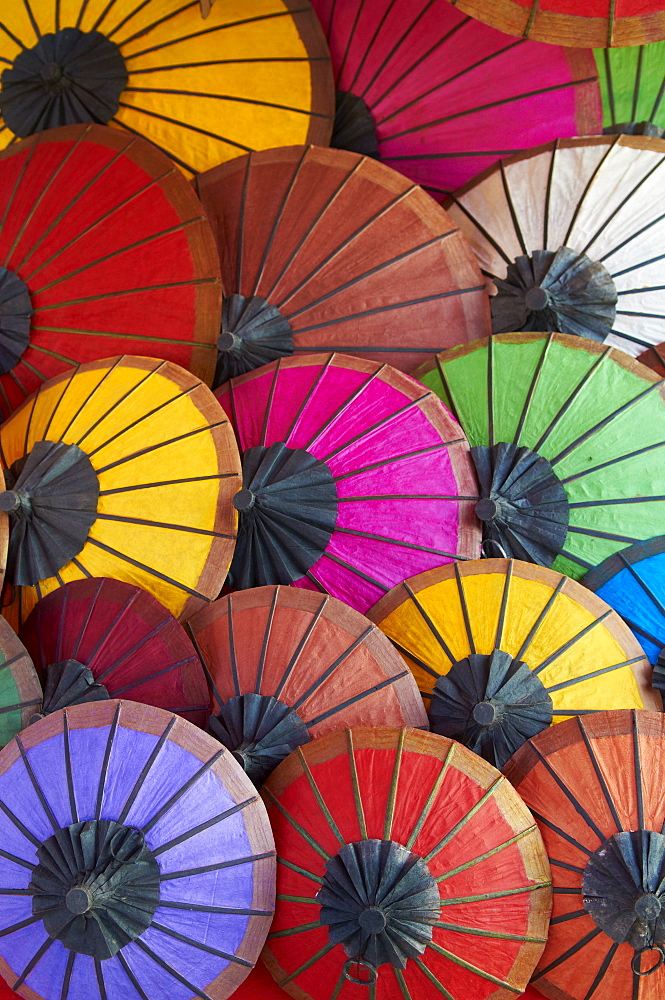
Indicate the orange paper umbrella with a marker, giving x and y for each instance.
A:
(404, 862)
(287, 665)
(595, 787)
(326, 250)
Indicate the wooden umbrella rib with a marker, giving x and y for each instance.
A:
(309, 629)
(568, 867)
(134, 423)
(226, 62)
(356, 698)
(612, 461)
(473, 968)
(16, 860)
(429, 975)
(541, 973)
(290, 931)
(213, 821)
(635, 267)
(99, 975)
(468, 815)
(234, 863)
(465, 609)
(296, 826)
(430, 624)
(174, 972)
(528, 831)
(430, 449)
(131, 798)
(130, 291)
(599, 775)
(483, 932)
(377, 310)
(201, 946)
(17, 185)
(160, 673)
(150, 27)
(638, 79)
(532, 389)
(368, 49)
(172, 156)
(639, 790)
(50, 815)
(320, 801)
(184, 125)
(596, 673)
(36, 958)
(436, 787)
(13, 37)
(225, 97)
(587, 188)
(67, 978)
(561, 833)
(300, 871)
(28, 834)
(28, 922)
(105, 762)
(275, 223)
(167, 482)
(132, 978)
(168, 805)
(355, 784)
(621, 204)
(68, 768)
(108, 632)
(266, 639)
(203, 31)
(484, 897)
(573, 915)
(341, 409)
(157, 445)
(332, 667)
(309, 963)
(392, 791)
(575, 803)
(570, 642)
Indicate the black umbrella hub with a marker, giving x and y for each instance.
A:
(354, 128)
(69, 682)
(69, 76)
(15, 318)
(380, 901)
(253, 333)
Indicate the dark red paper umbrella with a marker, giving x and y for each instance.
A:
(440, 96)
(98, 638)
(104, 249)
(323, 249)
(407, 869)
(287, 665)
(654, 357)
(7, 994)
(259, 985)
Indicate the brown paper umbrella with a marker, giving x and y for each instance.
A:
(287, 665)
(323, 249)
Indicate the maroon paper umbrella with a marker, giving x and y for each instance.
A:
(98, 638)
(137, 861)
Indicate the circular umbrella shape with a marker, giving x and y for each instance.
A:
(440, 96)
(632, 83)
(406, 860)
(632, 582)
(595, 23)
(20, 690)
(322, 249)
(124, 469)
(136, 858)
(94, 639)
(595, 789)
(248, 77)
(565, 435)
(571, 234)
(352, 476)
(286, 666)
(104, 248)
(654, 357)
(502, 649)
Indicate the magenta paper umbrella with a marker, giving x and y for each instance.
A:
(136, 860)
(353, 475)
(439, 96)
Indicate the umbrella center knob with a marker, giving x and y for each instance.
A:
(487, 509)
(372, 920)
(536, 298)
(78, 900)
(244, 500)
(647, 906)
(228, 341)
(52, 75)
(484, 713)
(9, 501)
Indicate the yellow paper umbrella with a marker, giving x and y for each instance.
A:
(254, 74)
(501, 649)
(125, 469)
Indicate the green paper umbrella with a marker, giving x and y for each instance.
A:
(567, 437)
(632, 86)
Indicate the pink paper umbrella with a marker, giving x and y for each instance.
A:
(440, 96)
(354, 477)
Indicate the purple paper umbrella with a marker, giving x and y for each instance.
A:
(136, 860)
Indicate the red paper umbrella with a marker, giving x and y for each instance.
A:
(654, 357)
(598, 23)
(259, 985)
(322, 249)
(104, 250)
(287, 665)
(99, 638)
(595, 787)
(404, 862)
(7, 994)
(440, 96)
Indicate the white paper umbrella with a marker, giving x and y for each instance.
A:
(573, 235)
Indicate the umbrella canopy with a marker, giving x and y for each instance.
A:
(572, 235)
(598, 23)
(94, 639)
(259, 985)
(632, 82)
(654, 357)
(104, 248)
(353, 476)
(7, 994)
(405, 861)
(20, 690)
(594, 786)
(632, 582)
(249, 77)
(124, 469)
(137, 860)
(566, 437)
(440, 96)
(502, 649)
(327, 250)
(286, 665)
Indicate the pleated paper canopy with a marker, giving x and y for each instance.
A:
(7, 994)
(595, 788)
(104, 248)
(94, 639)
(353, 476)
(440, 96)
(259, 985)
(633, 583)
(287, 665)
(599, 23)
(137, 859)
(326, 250)
(253, 75)
(571, 234)
(502, 649)
(406, 862)
(632, 82)
(126, 469)
(566, 436)
(20, 690)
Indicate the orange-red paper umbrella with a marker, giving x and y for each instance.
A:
(326, 250)
(405, 862)
(287, 665)
(654, 357)
(595, 787)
